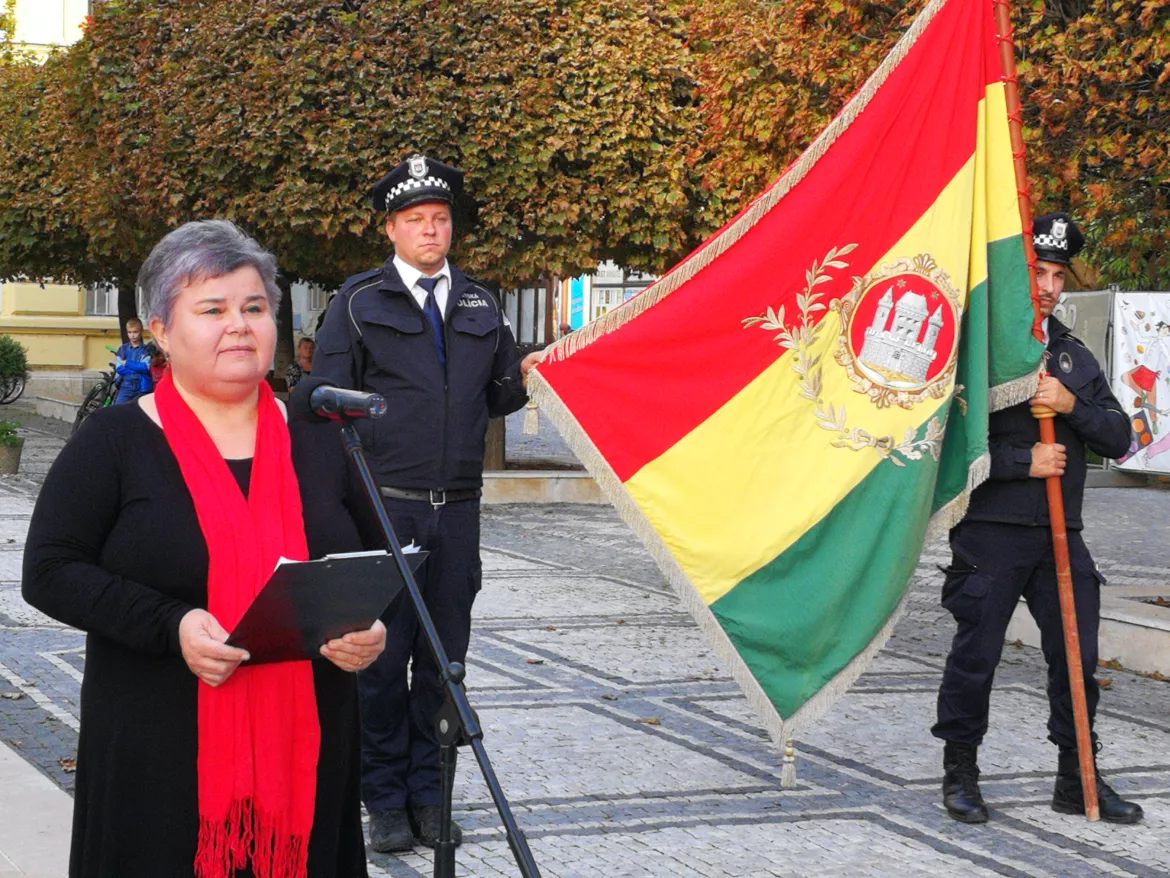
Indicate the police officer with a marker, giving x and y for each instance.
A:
(1002, 549)
(434, 342)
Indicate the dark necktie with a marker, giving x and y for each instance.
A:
(431, 309)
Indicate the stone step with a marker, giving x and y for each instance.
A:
(62, 408)
(61, 384)
(1134, 633)
(540, 486)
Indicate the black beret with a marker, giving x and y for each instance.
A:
(1056, 238)
(417, 179)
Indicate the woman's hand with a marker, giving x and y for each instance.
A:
(358, 649)
(202, 638)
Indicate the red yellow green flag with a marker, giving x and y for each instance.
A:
(783, 415)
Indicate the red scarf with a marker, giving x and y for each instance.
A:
(258, 732)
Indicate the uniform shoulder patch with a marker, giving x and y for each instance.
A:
(483, 286)
(358, 280)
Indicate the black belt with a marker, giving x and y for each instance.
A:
(435, 496)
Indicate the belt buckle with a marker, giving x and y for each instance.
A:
(442, 497)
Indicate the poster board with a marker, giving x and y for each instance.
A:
(1140, 376)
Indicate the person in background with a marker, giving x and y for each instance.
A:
(435, 343)
(158, 363)
(302, 365)
(133, 364)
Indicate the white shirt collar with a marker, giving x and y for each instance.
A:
(410, 276)
(1044, 329)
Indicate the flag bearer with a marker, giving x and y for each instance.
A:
(1002, 549)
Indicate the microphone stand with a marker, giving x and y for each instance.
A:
(458, 725)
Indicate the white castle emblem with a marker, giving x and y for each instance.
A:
(896, 352)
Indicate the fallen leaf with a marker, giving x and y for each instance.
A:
(621, 621)
(1105, 683)
(67, 765)
(649, 720)
(1018, 644)
(1113, 663)
(551, 628)
(609, 697)
(12, 696)
(535, 661)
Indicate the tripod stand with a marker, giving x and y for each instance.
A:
(457, 723)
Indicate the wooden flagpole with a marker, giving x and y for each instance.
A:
(1068, 612)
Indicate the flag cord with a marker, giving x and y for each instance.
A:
(1015, 111)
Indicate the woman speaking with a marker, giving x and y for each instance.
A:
(157, 525)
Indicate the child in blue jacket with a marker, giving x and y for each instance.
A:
(133, 364)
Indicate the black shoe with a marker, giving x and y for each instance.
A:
(1069, 798)
(425, 820)
(961, 794)
(390, 831)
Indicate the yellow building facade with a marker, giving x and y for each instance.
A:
(50, 320)
(53, 320)
(43, 24)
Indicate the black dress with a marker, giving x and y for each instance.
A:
(114, 548)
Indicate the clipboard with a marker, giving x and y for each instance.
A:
(304, 604)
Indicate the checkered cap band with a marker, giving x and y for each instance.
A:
(1050, 242)
(412, 183)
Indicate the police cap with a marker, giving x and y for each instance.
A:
(1056, 238)
(417, 179)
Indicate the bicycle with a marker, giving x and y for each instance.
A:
(11, 389)
(100, 395)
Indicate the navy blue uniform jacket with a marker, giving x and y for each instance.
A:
(1096, 421)
(376, 338)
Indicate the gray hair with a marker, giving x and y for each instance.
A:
(198, 251)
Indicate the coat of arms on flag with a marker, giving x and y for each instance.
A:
(784, 415)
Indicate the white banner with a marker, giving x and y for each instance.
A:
(1141, 376)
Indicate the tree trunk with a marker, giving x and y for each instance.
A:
(494, 455)
(285, 349)
(127, 305)
(549, 286)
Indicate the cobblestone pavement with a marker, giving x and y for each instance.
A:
(626, 750)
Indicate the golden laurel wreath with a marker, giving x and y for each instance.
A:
(801, 337)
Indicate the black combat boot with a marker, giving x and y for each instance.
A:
(1069, 798)
(961, 793)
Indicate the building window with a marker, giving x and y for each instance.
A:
(317, 297)
(613, 285)
(526, 310)
(101, 301)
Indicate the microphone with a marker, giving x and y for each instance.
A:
(316, 399)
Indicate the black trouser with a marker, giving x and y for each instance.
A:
(992, 566)
(400, 753)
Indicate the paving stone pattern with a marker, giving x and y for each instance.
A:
(626, 750)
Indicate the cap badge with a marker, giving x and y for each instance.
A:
(1059, 229)
(1066, 363)
(418, 167)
